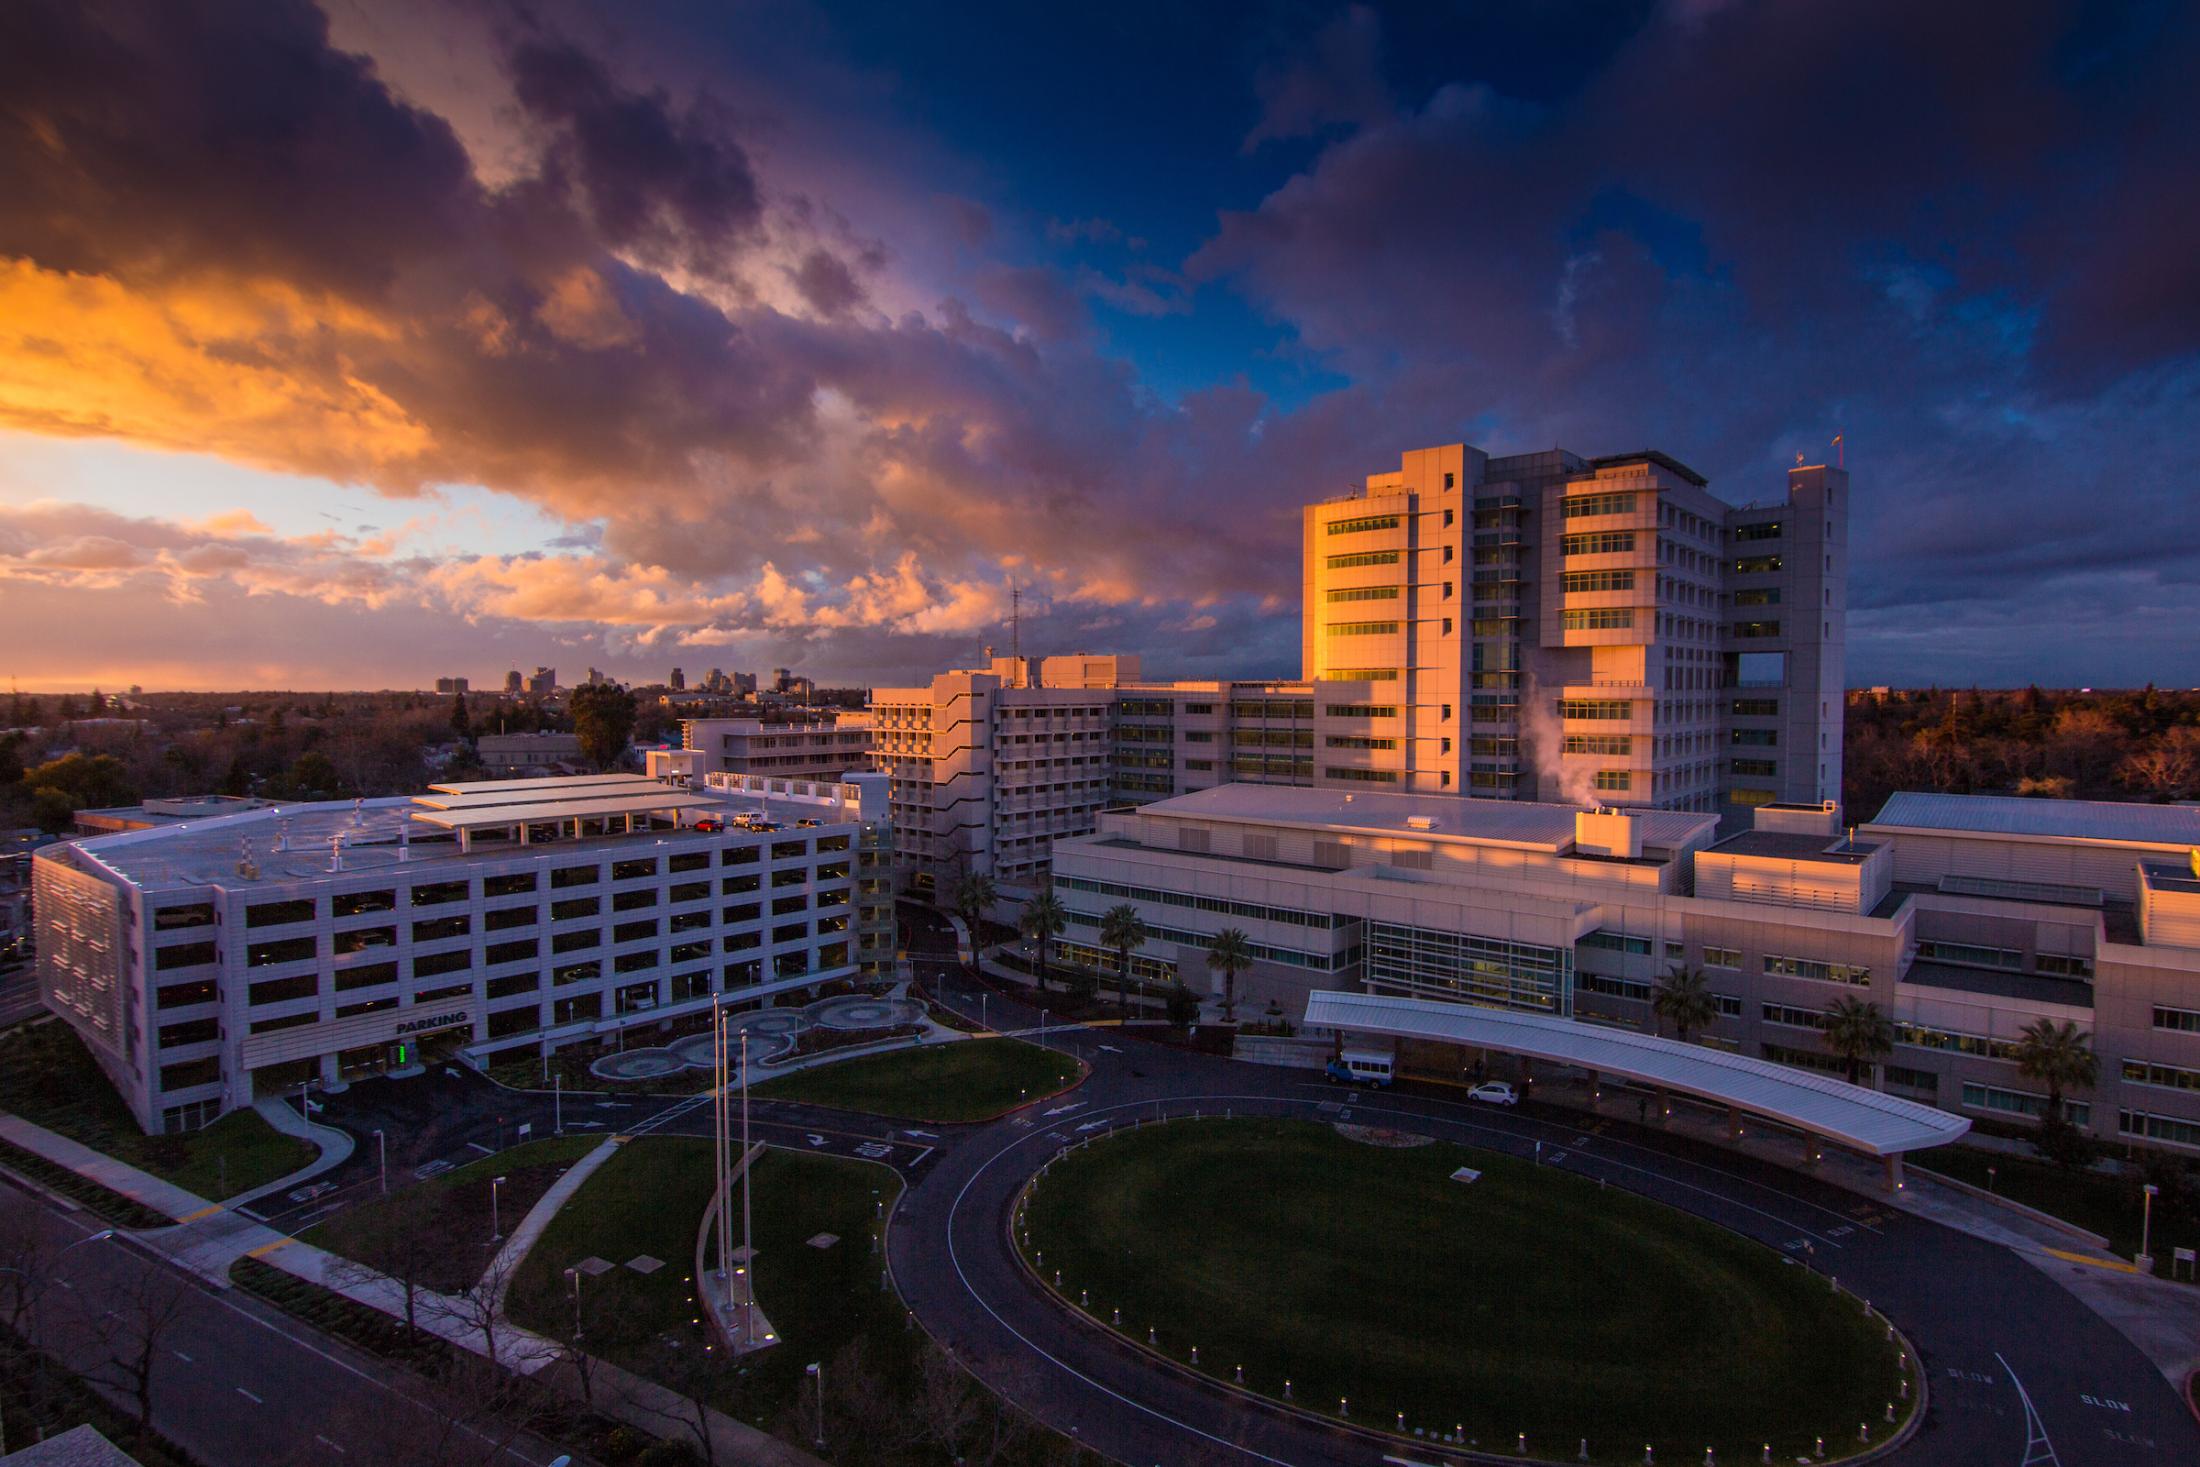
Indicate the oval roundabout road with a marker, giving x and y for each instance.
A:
(2020, 1371)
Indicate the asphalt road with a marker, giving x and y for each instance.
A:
(2020, 1371)
(233, 1381)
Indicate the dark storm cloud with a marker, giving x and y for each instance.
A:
(671, 185)
(1961, 236)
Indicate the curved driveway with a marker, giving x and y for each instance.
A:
(2021, 1372)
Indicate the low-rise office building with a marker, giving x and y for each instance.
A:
(513, 753)
(208, 962)
(1964, 918)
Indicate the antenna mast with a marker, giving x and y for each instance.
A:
(1016, 621)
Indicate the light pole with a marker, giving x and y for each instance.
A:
(818, 1375)
(496, 1225)
(2146, 1222)
(575, 1275)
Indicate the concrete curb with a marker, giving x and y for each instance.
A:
(2033, 1214)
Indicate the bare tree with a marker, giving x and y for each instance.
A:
(401, 1247)
(143, 1306)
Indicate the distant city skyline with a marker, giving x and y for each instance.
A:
(797, 336)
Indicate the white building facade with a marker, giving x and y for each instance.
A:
(207, 962)
(1964, 918)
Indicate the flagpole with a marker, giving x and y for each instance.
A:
(748, 1240)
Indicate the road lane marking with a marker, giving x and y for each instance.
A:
(186, 1359)
(255, 1400)
(192, 1217)
(324, 1441)
(2114, 1265)
(2038, 1450)
(266, 1248)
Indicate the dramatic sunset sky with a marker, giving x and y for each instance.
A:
(344, 346)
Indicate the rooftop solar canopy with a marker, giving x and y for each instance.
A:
(482, 799)
(546, 811)
(546, 782)
(1849, 1115)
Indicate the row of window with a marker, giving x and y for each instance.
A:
(1854, 974)
(1360, 675)
(1362, 558)
(1252, 910)
(1599, 580)
(1362, 628)
(1597, 619)
(1361, 524)
(1598, 542)
(1607, 744)
(1321, 962)
(1580, 506)
(1364, 593)
(1361, 710)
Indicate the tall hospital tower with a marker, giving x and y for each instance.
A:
(1549, 627)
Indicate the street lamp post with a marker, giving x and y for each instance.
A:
(496, 1225)
(2146, 1223)
(382, 1154)
(817, 1374)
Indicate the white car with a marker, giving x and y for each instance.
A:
(1494, 1092)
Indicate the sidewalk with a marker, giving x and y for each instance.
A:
(336, 1147)
(2160, 1317)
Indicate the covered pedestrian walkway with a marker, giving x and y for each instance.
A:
(1850, 1116)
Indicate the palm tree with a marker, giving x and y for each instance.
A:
(1230, 954)
(1122, 929)
(974, 897)
(2059, 1055)
(1682, 998)
(1042, 920)
(1858, 1031)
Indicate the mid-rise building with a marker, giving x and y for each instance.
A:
(543, 683)
(1963, 918)
(1603, 630)
(514, 683)
(989, 766)
(451, 685)
(210, 961)
(796, 744)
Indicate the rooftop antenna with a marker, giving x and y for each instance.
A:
(1840, 453)
(1015, 621)
(248, 868)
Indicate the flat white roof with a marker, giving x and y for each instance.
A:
(1848, 1115)
(2104, 820)
(1440, 817)
(546, 782)
(642, 802)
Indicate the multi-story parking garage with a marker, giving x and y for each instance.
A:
(207, 961)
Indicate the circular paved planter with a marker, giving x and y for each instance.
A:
(637, 1064)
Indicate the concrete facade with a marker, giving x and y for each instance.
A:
(1963, 931)
(823, 745)
(209, 961)
(1602, 630)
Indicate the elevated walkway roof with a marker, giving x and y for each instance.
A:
(1847, 1115)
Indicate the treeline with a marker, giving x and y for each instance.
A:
(2139, 744)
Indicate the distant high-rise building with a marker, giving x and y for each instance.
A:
(595, 678)
(744, 682)
(514, 683)
(1598, 631)
(678, 681)
(543, 683)
(451, 685)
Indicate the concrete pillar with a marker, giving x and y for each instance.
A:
(329, 1073)
(1894, 1172)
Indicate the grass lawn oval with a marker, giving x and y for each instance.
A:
(1529, 1301)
